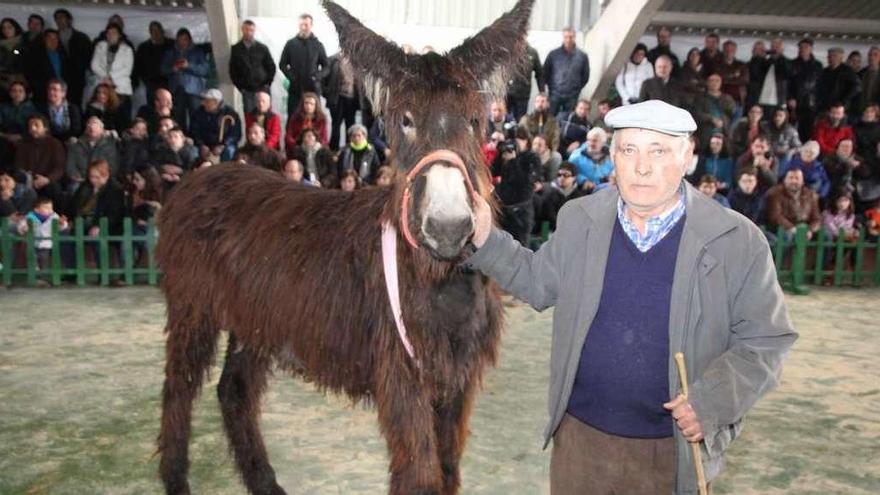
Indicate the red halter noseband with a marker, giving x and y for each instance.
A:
(447, 156)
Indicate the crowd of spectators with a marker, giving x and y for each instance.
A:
(785, 142)
(782, 141)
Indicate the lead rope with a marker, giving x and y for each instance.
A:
(389, 263)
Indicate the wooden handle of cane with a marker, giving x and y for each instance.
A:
(695, 446)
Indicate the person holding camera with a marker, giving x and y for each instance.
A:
(760, 157)
(515, 171)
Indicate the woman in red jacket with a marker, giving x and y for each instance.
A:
(269, 120)
(308, 116)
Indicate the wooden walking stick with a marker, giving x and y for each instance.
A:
(695, 446)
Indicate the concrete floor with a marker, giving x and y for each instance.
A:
(81, 373)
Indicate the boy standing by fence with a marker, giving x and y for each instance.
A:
(42, 217)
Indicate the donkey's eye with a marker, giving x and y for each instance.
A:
(408, 120)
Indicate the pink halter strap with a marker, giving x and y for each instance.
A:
(448, 156)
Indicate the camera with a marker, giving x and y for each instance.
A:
(508, 145)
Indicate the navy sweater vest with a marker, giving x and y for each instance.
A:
(622, 379)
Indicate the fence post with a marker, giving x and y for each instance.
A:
(152, 271)
(838, 258)
(860, 258)
(6, 257)
(104, 250)
(128, 251)
(779, 252)
(55, 270)
(79, 229)
(819, 271)
(798, 261)
(30, 250)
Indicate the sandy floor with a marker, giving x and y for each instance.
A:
(81, 372)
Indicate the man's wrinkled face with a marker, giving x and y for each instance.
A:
(649, 167)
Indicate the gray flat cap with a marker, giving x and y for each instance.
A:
(655, 115)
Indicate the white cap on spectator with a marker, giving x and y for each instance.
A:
(654, 115)
(212, 94)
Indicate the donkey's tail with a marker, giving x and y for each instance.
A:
(189, 352)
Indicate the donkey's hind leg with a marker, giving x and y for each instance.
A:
(241, 385)
(189, 352)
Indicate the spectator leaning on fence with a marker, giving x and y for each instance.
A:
(793, 203)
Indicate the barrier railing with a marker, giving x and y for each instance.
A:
(76, 257)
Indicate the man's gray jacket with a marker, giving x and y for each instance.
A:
(727, 313)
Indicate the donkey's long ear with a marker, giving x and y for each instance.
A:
(371, 55)
(493, 53)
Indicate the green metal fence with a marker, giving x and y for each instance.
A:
(78, 258)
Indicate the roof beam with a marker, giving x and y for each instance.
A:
(768, 22)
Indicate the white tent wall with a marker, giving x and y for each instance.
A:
(275, 31)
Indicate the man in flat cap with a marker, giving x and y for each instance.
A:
(637, 274)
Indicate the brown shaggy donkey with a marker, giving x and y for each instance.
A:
(295, 275)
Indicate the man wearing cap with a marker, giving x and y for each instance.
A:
(637, 274)
(215, 128)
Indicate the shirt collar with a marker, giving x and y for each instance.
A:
(656, 227)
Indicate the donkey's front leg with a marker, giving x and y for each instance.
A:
(452, 432)
(406, 417)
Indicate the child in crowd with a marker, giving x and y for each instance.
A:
(42, 217)
(709, 187)
(840, 214)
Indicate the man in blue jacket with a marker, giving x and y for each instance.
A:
(186, 68)
(637, 274)
(566, 70)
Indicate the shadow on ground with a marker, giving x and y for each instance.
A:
(81, 373)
